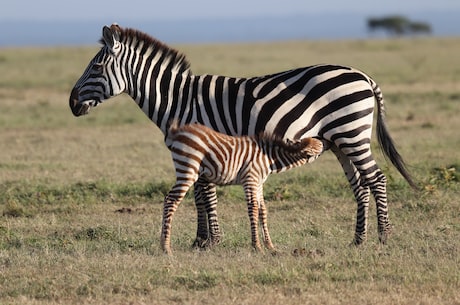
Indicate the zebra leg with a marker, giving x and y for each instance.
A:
(263, 220)
(202, 217)
(379, 190)
(211, 211)
(373, 178)
(361, 193)
(208, 231)
(362, 196)
(253, 212)
(171, 202)
(169, 207)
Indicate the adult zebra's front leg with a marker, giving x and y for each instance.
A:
(208, 231)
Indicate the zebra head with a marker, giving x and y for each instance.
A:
(102, 78)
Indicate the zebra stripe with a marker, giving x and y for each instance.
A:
(200, 153)
(330, 102)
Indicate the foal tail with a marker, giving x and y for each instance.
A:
(385, 141)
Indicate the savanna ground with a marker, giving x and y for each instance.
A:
(81, 198)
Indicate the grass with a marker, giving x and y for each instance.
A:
(81, 199)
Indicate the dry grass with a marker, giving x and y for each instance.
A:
(80, 199)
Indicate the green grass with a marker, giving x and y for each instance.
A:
(81, 198)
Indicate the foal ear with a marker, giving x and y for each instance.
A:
(111, 37)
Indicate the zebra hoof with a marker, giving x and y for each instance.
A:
(358, 241)
(383, 237)
(204, 244)
(200, 243)
(384, 234)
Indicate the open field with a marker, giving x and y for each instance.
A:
(81, 198)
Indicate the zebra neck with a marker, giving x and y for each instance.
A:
(163, 94)
(216, 101)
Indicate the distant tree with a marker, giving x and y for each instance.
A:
(420, 28)
(397, 25)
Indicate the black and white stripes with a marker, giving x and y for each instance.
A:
(200, 153)
(332, 103)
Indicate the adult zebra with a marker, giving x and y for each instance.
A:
(199, 152)
(332, 103)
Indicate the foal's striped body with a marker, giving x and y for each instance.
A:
(200, 153)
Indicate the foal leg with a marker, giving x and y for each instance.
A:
(263, 220)
(253, 212)
(171, 202)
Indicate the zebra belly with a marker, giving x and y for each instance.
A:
(218, 178)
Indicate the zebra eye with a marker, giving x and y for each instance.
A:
(97, 67)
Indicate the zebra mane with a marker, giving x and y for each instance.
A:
(133, 36)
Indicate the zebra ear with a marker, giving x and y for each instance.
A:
(111, 37)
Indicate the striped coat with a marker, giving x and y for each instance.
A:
(200, 153)
(329, 102)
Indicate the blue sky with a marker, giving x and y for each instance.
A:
(81, 10)
(61, 22)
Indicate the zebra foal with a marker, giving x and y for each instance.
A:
(200, 153)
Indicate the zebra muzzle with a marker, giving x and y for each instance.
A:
(77, 108)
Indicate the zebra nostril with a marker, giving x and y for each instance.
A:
(74, 96)
(73, 102)
(76, 107)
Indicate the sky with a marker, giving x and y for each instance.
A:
(81, 10)
(51, 22)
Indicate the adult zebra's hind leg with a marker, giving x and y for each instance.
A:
(378, 187)
(361, 193)
(370, 179)
(373, 178)
(208, 231)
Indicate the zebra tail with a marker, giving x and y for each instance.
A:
(171, 132)
(386, 142)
